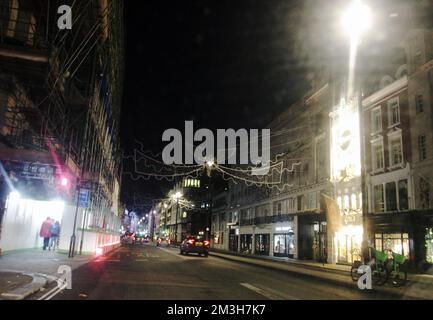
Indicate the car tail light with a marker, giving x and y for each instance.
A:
(190, 241)
(206, 242)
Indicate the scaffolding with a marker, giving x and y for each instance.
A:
(63, 89)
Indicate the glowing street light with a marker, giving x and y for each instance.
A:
(177, 195)
(357, 19)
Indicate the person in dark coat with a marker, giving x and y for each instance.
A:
(54, 235)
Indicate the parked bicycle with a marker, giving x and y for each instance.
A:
(397, 266)
(377, 264)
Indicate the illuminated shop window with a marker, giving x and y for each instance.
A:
(397, 242)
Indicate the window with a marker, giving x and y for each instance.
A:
(376, 120)
(393, 112)
(419, 102)
(378, 198)
(402, 195)
(422, 147)
(396, 151)
(397, 242)
(391, 197)
(378, 161)
(301, 203)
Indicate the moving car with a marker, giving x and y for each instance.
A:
(128, 238)
(195, 244)
(163, 242)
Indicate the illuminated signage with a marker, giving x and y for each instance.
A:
(345, 142)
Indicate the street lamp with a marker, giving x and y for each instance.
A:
(356, 21)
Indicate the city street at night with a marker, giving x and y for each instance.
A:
(150, 272)
(216, 150)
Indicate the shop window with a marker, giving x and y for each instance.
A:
(402, 195)
(378, 198)
(246, 243)
(262, 244)
(396, 242)
(391, 197)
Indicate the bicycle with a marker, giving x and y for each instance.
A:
(397, 268)
(377, 265)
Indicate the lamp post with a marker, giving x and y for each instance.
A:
(356, 21)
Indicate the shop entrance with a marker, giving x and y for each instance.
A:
(233, 240)
(284, 245)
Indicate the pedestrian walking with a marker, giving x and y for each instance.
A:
(45, 232)
(54, 235)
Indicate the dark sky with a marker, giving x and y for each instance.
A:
(221, 63)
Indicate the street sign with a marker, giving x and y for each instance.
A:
(83, 198)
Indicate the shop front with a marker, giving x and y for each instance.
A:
(247, 243)
(233, 239)
(262, 244)
(284, 240)
(348, 243)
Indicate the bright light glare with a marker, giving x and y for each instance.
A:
(14, 195)
(357, 19)
(177, 195)
(99, 251)
(64, 182)
(210, 163)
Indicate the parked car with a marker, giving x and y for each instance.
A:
(195, 244)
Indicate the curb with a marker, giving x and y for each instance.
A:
(392, 292)
(23, 292)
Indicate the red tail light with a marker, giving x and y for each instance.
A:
(206, 242)
(190, 241)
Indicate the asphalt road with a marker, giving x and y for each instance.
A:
(149, 272)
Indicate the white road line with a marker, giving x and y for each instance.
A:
(57, 289)
(268, 293)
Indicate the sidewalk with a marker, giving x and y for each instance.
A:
(33, 269)
(418, 286)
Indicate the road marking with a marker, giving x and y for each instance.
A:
(53, 292)
(268, 293)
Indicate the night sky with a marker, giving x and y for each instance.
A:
(222, 64)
